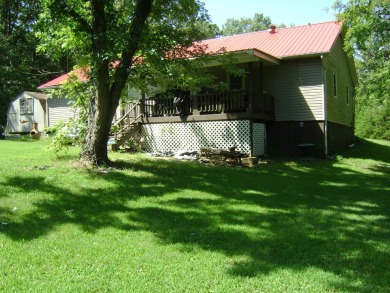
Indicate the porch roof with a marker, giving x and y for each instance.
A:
(249, 55)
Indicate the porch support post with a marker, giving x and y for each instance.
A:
(142, 104)
(251, 88)
(261, 101)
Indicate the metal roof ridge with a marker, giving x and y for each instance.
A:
(315, 23)
(278, 28)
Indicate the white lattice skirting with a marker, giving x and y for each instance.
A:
(259, 139)
(192, 136)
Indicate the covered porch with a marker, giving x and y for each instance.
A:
(243, 97)
(235, 115)
(233, 104)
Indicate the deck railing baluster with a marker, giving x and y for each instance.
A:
(210, 103)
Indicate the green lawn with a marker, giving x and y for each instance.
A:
(161, 225)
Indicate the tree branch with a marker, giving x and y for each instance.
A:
(62, 7)
(142, 12)
(99, 46)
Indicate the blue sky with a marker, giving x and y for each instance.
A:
(297, 12)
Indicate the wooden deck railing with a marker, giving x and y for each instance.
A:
(221, 102)
(210, 103)
(166, 106)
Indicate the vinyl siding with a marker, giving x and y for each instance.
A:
(338, 110)
(297, 88)
(59, 109)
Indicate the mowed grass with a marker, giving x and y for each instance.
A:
(160, 225)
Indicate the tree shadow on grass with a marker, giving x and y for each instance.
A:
(366, 149)
(295, 217)
(335, 220)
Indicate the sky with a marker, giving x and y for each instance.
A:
(289, 12)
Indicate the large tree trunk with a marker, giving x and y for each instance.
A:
(108, 90)
(102, 110)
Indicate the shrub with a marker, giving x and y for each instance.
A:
(65, 133)
(373, 121)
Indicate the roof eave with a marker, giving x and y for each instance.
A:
(264, 56)
(49, 87)
(249, 55)
(311, 55)
(37, 95)
(350, 59)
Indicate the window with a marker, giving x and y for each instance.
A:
(29, 106)
(334, 85)
(26, 106)
(347, 94)
(22, 106)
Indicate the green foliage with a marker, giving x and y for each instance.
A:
(234, 26)
(172, 27)
(178, 71)
(113, 38)
(167, 74)
(209, 30)
(172, 58)
(259, 22)
(373, 121)
(77, 92)
(368, 38)
(22, 68)
(71, 131)
(70, 27)
(133, 145)
(66, 133)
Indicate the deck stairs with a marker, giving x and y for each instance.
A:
(127, 127)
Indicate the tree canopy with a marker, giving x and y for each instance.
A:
(234, 26)
(368, 39)
(22, 68)
(120, 40)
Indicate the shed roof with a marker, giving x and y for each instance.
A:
(63, 78)
(311, 39)
(40, 96)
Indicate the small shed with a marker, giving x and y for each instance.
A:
(24, 110)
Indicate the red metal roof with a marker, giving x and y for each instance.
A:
(63, 78)
(309, 39)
